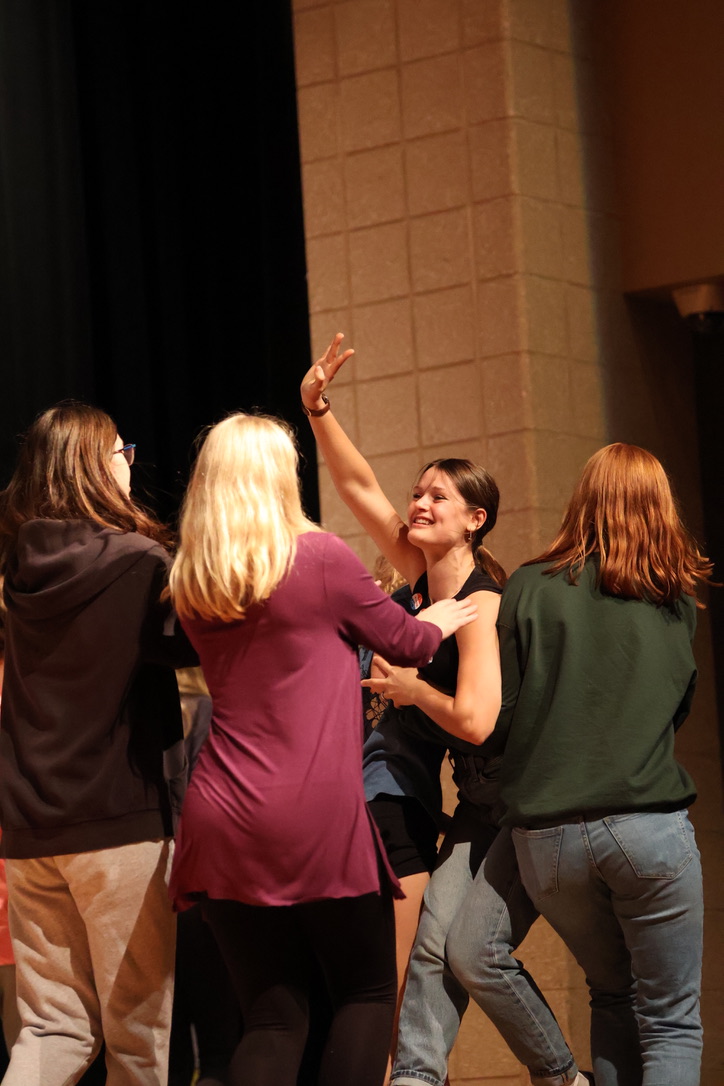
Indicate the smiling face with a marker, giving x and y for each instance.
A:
(120, 468)
(438, 515)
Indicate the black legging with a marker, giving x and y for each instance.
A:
(269, 952)
(203, 999)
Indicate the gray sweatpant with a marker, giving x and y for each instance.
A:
(93, 936)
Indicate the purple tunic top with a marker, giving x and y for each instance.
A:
(275, 813)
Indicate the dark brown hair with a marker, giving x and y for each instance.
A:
(478, 489)
(623, 511)
(63, 473)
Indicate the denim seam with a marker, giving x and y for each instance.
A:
(589, 849)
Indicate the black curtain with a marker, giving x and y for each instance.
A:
(152, 238)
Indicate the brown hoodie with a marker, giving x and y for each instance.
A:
(90, 706)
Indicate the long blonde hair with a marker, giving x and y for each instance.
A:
(623, 511)
(240, 520)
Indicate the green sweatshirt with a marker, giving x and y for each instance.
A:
(594, 687)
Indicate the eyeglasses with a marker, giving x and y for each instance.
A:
(129, 451)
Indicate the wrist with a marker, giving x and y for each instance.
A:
(320, 408)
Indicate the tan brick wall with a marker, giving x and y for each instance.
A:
(461, 230)
(446, 235)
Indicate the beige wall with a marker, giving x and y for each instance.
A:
(458, 169)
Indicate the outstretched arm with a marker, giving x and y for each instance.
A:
(471, 712)
(352, 476)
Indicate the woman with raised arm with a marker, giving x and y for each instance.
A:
(598, 675)
(90, 712)
(452, 704)
(275, 839)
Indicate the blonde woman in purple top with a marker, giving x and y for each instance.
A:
(275, 838)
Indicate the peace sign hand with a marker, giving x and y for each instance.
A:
(322, 373)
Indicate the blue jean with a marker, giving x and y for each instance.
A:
(495, 917)
(435, 1000)
(624, 892)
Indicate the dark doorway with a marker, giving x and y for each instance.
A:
(709, 380)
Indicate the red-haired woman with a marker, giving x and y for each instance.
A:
(598, 674)
(89, 708)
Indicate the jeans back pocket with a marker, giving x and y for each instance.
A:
(657, 845)
(538, 853)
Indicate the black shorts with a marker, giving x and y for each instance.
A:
(408, 833)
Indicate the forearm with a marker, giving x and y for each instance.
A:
(357, 486)
(470, 722)
(350, 472)
(395, 635)
(352, 476)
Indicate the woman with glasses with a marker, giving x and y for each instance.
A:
(128, 452)
(89, 713)
(275, 839)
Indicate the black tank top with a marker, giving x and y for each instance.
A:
(442, 671)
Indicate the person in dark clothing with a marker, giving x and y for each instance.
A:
(90, 728)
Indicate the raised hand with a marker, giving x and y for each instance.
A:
(322, 372)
